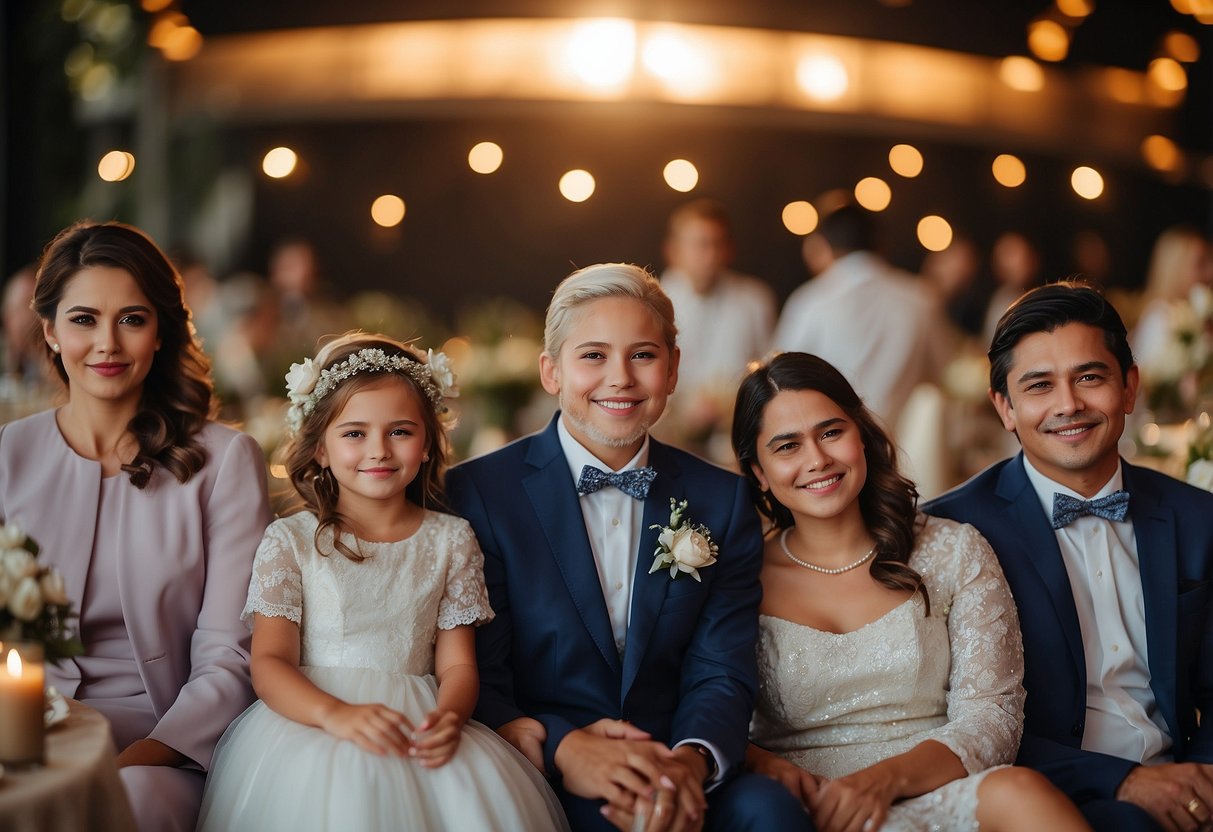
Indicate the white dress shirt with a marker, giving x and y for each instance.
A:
(876, 325)
(1105, 579)
(613, 524)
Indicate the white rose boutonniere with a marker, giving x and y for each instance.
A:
(682, 546)
(301, 380)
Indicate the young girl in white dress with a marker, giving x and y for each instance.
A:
(363, 607)
(889, 654)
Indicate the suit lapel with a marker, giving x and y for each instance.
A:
(553, 494)
(649, 591)
(1039, 544)
(1154, 530)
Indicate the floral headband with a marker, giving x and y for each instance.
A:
(307, 384)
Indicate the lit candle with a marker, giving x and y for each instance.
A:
(22, 704)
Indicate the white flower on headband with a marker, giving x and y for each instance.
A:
(301, 380)
(307, 384)
(442, 374)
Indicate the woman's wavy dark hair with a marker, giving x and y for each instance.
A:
(316, 486)
(178, 397)
(888, 501)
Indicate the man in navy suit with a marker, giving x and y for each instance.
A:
(1110, 566)
(630, 688)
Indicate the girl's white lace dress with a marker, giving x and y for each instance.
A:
(367, 634)
(834, 703)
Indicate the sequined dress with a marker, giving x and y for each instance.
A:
(367, 633)
(835, 703)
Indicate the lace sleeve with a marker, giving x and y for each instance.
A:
(465, 600)
(276, 588)
(985, 692)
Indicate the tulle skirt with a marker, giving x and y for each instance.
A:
(272, 773)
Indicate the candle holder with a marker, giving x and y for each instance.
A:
(22, 704)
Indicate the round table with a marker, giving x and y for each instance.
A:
(77, 789)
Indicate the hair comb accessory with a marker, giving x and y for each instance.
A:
(307, 384)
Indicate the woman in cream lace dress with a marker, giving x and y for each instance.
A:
(889, 650)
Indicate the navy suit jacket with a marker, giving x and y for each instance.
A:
(688, 669)
(1173, 526)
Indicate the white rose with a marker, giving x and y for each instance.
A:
(301, 379)
(1200, 474)
(691, 549)
(19, 563)
(54, 591)
(25, 602)
(11, 536)
(442, 374)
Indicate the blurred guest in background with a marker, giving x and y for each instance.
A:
(151, 511)
(1180, 271)
(949, 277)
(724, 318)
(1015, 268)
(871, 321)
(22, 339)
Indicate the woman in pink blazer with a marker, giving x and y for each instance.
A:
(150, 509)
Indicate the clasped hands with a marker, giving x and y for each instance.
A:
(645, 784)
(382, 730)
(1179, 796)
(858, 802)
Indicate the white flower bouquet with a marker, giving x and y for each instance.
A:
(33, 601)
(681, 546)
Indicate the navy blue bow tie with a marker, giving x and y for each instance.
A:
(1067, 509)
(635, 483)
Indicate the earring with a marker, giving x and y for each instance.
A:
(55, 349)
(425, 457)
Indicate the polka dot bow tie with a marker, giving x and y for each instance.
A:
(635, 483)
(1067, 509)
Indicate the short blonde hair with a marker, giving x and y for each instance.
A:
(605, 280)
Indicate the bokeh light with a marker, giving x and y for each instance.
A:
(1020, 73)
(1009, 171)
(822, 77)
(602, 52)
(800, 217)
(1167, 74)
(279, 162)
(1087, 182)
(934, 232)
(116, 166)
(679, 64)
(485, 157)
(1048, 40)
(577, 185)
(1161, 153)
(1182, 47)
(182, 43)
(873, 193)
(387, 210)
(681, 175)
(905, 160)
(1075, 8)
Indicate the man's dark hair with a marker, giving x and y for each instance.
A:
(1046, 308)
(848, 228)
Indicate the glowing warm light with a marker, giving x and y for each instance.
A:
(873, 193)
(905, 160)
(278, 471)
(1151, 434)
(800, 217)
(116, 166)
(1075, 8)
(934, 233)
(14, 663)
(1167, 74)
(1048, 40)
(577, 185)
(674, 60)
(182, 44)
(1161, 153)
(387, 210)
(1182, 6)
(279, 162)
(153, 6)
(602, 52)
(1009, 171)
(485, 157)
(1123, 85)
(1086, 182)
(681, 175)
(822, 77)
(1182, 47)
(1023, 74)
(164, 27)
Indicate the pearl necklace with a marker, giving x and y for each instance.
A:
(783, 542)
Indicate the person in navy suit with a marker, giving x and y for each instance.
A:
(1110, 567)
(630, 683)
